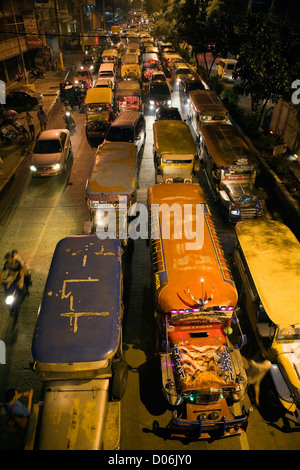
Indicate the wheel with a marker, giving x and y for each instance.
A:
(270, 406)
(119, 380)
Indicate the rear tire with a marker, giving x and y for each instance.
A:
(119, 380)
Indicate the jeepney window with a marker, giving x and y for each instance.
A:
(291, 332)
(96, 108)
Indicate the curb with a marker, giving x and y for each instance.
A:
(26, 149)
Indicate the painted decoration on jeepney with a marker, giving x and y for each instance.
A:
(200, 367)
(159, 265)
(226, 274)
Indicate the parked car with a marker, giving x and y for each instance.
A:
(185, 86)
(23, 99)
(51, 153)
(166, 113)
(158, 94)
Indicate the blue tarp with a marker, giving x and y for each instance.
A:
(79, 318)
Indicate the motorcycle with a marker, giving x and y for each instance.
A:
(12, 132)
(36, 73)
(69, 121)
(15, 296)
(8, 136)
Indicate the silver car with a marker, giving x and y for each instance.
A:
(51, 153)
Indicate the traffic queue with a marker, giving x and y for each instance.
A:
(199, 336)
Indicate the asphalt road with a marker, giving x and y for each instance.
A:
(49, 209)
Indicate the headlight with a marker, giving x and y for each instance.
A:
(91, 67)
(9, 300)
(56, 166)
(235, 212)
(76, 81)
(151, 103)
(32, 168)
(169, 102)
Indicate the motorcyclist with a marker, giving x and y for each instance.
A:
(67, 107)
(68, 117)
(15, 268)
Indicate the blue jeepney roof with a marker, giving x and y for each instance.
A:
(80, 314)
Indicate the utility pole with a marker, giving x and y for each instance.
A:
(18, 39)
(59, 34)
(81, 24)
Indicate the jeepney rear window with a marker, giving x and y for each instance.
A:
(120, 134)
(176, 161)
(98, 108)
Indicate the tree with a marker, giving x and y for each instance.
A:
(268, 62)
(205, 25)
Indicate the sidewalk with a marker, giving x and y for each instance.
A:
(13, 155)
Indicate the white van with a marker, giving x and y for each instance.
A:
(226, 67)
(107, 71)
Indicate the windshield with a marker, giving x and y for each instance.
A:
(120, 134)
(240, 170)
(81, 73)
(183, 71)
(288, 333)
(106, 74)
(178, 162)
(47, 146)
(195, 86)
(159, 88)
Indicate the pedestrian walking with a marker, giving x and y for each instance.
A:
(42, 118)
(30, 124)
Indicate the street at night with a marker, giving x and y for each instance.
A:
(37, 212)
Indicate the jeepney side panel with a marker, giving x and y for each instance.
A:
(212, 172)
(249, 297)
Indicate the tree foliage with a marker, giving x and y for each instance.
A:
(268, 46)
(269, 59)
